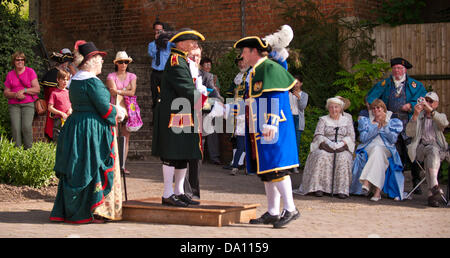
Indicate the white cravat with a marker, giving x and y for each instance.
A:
(398, 83)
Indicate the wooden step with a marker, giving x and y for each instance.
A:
(208, 213)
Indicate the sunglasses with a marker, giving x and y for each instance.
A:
(429, 100)
(123, 62)
(20, 60)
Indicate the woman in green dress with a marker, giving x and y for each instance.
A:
(86, 155)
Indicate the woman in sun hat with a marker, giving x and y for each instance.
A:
(86, 162)
(122, 83)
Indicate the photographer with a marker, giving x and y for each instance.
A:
(426, 127)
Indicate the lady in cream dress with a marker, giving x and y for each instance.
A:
(318, 172)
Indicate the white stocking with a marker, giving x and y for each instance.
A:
(285, 188)
(180, 174)
(273, 198)
(168, 180)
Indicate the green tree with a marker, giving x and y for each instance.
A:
(394, 12)
(355, 84)
(324, 40)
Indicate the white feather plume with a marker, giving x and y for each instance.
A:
(280, 40)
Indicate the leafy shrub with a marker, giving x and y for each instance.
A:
(355, 84)
(324, 38)
(226, 69)
(32, 167)
(16, 34)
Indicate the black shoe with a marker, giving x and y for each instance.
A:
(342, 196)
(266, 218)
(173, 201)
(187, 199)
(318, 194)
(286, 218)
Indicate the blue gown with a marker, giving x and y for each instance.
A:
(394, 180)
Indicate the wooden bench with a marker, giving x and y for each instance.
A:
(208, 213)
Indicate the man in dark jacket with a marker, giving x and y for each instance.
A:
(175, 135)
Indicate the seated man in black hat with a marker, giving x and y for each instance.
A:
(400, 93)
(176, 136)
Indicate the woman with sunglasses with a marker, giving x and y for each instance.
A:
(122, 83)
(21, 90)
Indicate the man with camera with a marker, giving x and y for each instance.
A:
(159, 55)
(428, 145)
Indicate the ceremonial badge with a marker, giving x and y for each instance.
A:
(257, 86)
(414, 84)
(174, 60)
(383, 83)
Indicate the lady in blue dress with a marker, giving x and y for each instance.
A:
(378, 164)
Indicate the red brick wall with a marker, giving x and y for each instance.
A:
(38, 128)
(120, 24)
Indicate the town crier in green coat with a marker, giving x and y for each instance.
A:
(176, 137)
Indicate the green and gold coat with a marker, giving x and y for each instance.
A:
(175, 130)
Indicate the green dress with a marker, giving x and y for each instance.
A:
(85, 157)
(175, 130)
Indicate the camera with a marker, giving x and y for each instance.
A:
(420, 100)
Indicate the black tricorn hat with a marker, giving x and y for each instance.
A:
(89, 50)
(252, 42)
(187, 34)
(61, 58)
(401, 61)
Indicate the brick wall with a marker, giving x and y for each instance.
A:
(115, 25)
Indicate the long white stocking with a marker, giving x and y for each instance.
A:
(285, 188)
(273, 198)
(168, 172)
(180, 174)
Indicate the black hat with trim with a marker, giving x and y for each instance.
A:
(401, 61)
(252, 42)
(88, 50)
(187, 34)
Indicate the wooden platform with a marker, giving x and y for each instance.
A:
(208, 213)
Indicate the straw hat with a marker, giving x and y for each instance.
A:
(122, 55)
(346, 101)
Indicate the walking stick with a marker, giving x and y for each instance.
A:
(334, 163)
(121, 141)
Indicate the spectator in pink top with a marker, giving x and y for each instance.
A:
(21, 90)
(59, 103)
(122, 83)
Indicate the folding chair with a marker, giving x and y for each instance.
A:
(423, 180)
(121, 147)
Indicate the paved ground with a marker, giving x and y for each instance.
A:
(320, 217)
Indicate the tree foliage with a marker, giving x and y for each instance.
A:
(355, 84)
(324, 40)
(394, 12)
